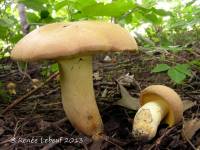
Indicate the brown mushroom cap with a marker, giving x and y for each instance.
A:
(68, 39)
(168, 95)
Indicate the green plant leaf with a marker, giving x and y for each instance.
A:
(175, 49)
(161, 12)
(3, 23)
(15, 38)
(152, 17)
(195, 62)
(44, 14)
(34, 4)
(184, 68)
(81, 4)
(190, 3)
(128, 18)
(54, 67)
(160, 68)
(115, 9)
(60, 5)
(3, 94)
(3, 32)
(32, 17)
(6, 22)
(176, 76)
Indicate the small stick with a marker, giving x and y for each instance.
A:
(107, 139)
(159, 140)
(49, 146)
(190, 143)
(42, 94)
(18, 100)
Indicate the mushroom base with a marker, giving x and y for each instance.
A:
(147, 120)
(78, 96)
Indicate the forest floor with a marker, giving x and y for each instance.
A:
(40, 114)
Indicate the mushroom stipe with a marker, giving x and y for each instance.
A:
(78, 95)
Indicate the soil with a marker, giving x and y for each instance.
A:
(39, 119)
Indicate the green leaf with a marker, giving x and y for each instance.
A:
(115, 9)
(6, 22)
(44, 14)
(128, 18)
(152, 17)
(54, 67)
(190, 3)
(161, 12)
(176, 76)
(15, 38)
(34, 4)
(32, 17)
(184, 68)
(60, 5)
(80, 4)
(160, 68)
(195, 62)
(175, 49)
(3, 32)
(3, 23)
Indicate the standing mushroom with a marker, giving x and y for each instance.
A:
(158, 103)
(72, 46)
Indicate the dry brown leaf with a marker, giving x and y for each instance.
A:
(198, 148)
(104, 93)
(126, 79)
(127, 100)
(96, 76)
(187, 104)
(43, 124)
(190, 127)
(1, 131)
(107, 59)
(36, 83)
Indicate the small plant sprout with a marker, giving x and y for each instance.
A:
(72, 46)
(158, 104)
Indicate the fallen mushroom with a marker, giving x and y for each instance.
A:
(158, 103)
(72, 46)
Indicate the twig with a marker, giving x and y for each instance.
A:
(159, 140)
(107, 139)
(51, 104)
(137, 83)
(44, 94)
(56, 124)
(49, 146)
(18, 100)
(189, 95)
(7, 74)
(53, 124)
(59, 122)
(24, 73)
(188, 140)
